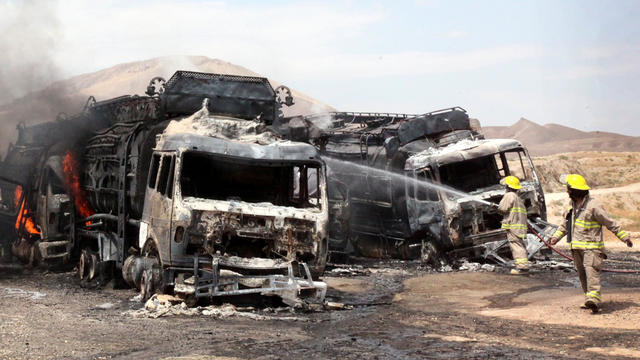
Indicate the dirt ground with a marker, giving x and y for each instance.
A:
(400, 311)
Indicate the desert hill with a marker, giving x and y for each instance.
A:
(553, 138)
(70, 95)
(601, 169)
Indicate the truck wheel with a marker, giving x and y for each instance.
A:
(84, 265)
(316, 267)
(147, 285)
(93, 268)
(431, 255)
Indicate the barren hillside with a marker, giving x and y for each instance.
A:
(70, 95)
(601, 169)
(553, 138)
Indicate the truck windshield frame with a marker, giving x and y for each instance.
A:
(487, 170)
(216, 177)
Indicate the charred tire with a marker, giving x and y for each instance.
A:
(84, 265)
(431, 255)
(316, 267)
(151, 280)
(147, 288)
(93, 266)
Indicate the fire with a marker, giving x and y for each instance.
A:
(23, 214)
(17, 195)
(72, 179)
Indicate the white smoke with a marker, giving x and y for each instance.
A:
(30, 36)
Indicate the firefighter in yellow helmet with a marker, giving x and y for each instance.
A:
(583, 228)
(515, 223)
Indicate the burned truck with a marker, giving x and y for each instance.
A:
(410, 186)
(186, 189)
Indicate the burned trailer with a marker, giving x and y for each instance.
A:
(407, 186)
(116, 219)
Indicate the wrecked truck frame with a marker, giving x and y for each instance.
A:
(110, 149)
(379, 207)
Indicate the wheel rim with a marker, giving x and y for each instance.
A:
(145, 285)
(82, 265)
(93, 267)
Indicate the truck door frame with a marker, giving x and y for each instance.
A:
(161, 196)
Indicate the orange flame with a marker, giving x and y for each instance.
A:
(29, 224)
(70, 167)
(17, 195)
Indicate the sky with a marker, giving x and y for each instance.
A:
(574, 63)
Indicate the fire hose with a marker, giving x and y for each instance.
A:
(620, 271)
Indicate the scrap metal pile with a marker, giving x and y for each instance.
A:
(204, 189)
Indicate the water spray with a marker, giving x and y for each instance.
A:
(399, 177)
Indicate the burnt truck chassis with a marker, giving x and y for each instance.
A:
(116, 138)
(377, 214)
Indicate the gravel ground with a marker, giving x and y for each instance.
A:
(398, 310)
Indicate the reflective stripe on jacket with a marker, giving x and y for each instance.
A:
(515, 214)
(587, 222)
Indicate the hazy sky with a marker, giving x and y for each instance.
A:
(574, 63)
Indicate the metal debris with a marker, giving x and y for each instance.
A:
(488, 267)
(470, 266)
(165, 305)
(346, 270)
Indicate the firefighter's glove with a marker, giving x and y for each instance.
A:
(554, 240)
(629, 243)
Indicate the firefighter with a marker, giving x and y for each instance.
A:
(515, 223)
(583, 228)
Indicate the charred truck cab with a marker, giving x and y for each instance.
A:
(472, 168)
(406, 186)
(221, 214)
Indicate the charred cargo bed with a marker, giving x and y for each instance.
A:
(382, 166)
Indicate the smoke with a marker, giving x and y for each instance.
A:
(31, 32)
(322, 120)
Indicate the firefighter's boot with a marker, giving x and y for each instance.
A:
(592, 304)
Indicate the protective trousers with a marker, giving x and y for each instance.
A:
(588, 264)
(518, 250)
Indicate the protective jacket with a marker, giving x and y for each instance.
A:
(586, 225)
(515, 219)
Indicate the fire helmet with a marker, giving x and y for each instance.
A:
(575, 181)
(512, 182)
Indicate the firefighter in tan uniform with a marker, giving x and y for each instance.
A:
(515, 223)
(583, 227)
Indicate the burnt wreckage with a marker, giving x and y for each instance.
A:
(192, 189)
(183, 190)
(379, 168)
